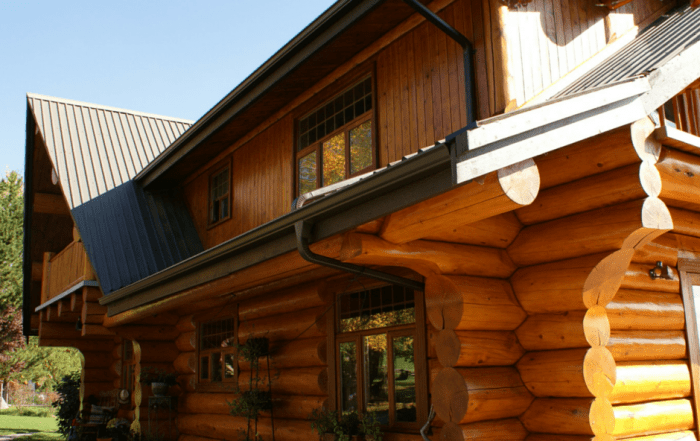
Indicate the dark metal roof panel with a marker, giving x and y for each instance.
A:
(653, 47)
(96, 148)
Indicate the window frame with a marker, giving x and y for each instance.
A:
(229, 313)
(128, 368)
(317, 146)
(417, 329)
(218, 169)
(689, 270)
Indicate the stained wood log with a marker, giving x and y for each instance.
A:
(663, 248)
(50, 204)
(545, 437)
(286, 354)
(500, 430)
(187, 382)
(596, 326)
(186, 363)
(193, 438)
(427, 257)
(93, 308)
(97, 375)
(294, 299)
(158, 352)
(186, 341)
(568, 372)
(688, 246)
(653, 417)
(646, 310)
(116, 368)
(311, 381)
(635, 223)
(186, 324)
(637, 277)
(685, 222)
(227, 427)
(89, 330)
(571, 285)
(96, 359)
(639, 381)
(302, 324)
(163, 318)
(559, 415)
(93, 319)
(591, 156)
(680, 173)
(464, 395)
(497, 232)
(685, 435)
(76, 302)
(285, 406)
(94, 388)
(552, 331)
(92, 294)
(61, 331)
(632, 182)
(145, 332)
(647, 345)
(499, 192)
(80, 344)
(471, 303)
(477, 348)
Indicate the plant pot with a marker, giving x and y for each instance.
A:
(159, 389)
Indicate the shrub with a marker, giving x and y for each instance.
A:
(68, 403)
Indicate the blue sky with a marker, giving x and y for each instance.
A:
(173, 58)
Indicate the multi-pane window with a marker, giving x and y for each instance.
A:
(128, 366)
(376, 352)
(217, 351)
(219, 200)
(335, 140)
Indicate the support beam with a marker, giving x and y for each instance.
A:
(48, 203)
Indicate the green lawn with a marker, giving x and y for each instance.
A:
(41, 428)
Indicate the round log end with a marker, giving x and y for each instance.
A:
(450, 395)
(599, 371)
(646, 145)
(605, 278)
(596, 326)
(655, 215)
(439, 290)
(447, 347)
(602, 417)
(650, 179)
(520, 182)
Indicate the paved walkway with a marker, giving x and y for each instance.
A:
(14, 435)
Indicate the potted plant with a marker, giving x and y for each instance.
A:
(346, 426)
(159, 380)
(118, 429)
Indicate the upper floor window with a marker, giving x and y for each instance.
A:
(335, 140)
(378, 354)
(219, 196)
(217, 361)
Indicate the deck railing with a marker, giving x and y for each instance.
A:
(682, 112)
(64, 270)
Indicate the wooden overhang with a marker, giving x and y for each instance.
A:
(342, 31)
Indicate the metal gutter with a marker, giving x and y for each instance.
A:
(315, 36)
(66, 293)
(26, 245)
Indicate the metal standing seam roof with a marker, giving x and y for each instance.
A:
(653, 47)
(97, 148)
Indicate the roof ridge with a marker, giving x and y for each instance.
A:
(109, 108)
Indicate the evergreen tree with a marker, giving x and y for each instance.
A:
(11, 236)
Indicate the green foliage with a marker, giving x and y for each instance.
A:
(150, 374)
(11, 342)
(345, 425)
(37, 411)
(250, 403)
(68, 403)
(11, 237)
(45, 366)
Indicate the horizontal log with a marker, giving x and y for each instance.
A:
(664, 248)
(632, 182)
(498, 192)
(311, 381)
(293, 299)
(228, 427)
(302, 324)
(58, 331)
(465, 395)
(286, 354)
(96, 388)
(89, 330)
(145, 332)
(499, 430)
(186, 363)
(50, 203)
(186, 324)
(653, 417)
(188, 383)
(639, 381)
(92, 294)
(545, 437)
(427, 257)
(685, 435)
(647, 345)
(568, 416)
(193, 438)
(646, 310)
(95, 359)
(606, 229)
(158, 352)
(552, 331)
(570, 285)
(477, 348)
(591, 156)
(186, 341)
(497, 232)
(97, 375)
(680, 173)
(82, 345)
(637, 277)
(285, 406)
(471, 303)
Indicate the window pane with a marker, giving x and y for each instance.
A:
(216, 366)
(348, 376)
(334, 159)
(376, 387)
(361, 147)
(376, 308)
(204, 368)
(229, 366)
(307, 173)
(404, 380)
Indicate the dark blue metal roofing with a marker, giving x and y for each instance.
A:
(653, 47)
(130, 234)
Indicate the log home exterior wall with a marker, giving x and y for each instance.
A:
(539, 320)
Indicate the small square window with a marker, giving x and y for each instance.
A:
(219, 196)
